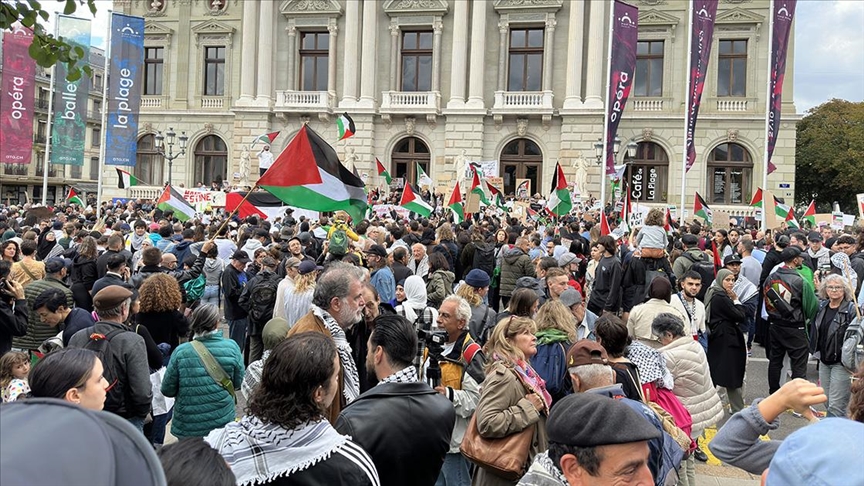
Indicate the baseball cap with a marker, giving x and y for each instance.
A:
(377, 250)
(585, 352)
(240, 256)
(731, 259)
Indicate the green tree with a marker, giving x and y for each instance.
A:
(829, 155)
(46, 49)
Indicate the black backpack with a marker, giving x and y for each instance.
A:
(101, 345)
(261, 299)
(484, 257)
(705, 269)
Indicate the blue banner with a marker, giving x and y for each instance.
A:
(70, 97)
(124, 89)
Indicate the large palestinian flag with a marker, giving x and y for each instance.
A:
(457, 205)
(259, 203)
(559, 202)
(171, 200)
(308, 174)
(126, 180)
(414, 202)
(701, 209)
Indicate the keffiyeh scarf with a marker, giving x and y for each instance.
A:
(406, 375)
(259, 452)
(351, 390)
(651, 365)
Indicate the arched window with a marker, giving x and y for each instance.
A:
(648, 173)
(521, 159)
(407, 153)
(148, 162)
(730, 170)
(211, 160)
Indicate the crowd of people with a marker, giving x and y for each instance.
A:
(491, 351)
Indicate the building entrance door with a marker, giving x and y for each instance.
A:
(521, 159)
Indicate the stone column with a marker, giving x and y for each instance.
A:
(503, 31)
(596, 55)
(478, 51)
(349, 60)
(460, 54)
(292, 55)
(247, 65)
(331, 61)
(369, 56)
(437, 27)
(575, 42)
(265, 54)
(394, 56)
(549, 42)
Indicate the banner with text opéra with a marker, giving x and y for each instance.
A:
(124, 89)
(16, 98)
(70, 97)
(622, 67)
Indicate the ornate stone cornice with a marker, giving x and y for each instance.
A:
(739, 16)
(325, 8)
(415, 7)
(523, 5)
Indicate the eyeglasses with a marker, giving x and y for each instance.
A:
(834, 288)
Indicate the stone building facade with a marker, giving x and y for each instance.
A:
(438, 82)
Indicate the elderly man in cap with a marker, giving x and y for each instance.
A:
(571, 262)
(791, 304)
(585, 319)
(38, 332)
(382, 277)
(126, 368)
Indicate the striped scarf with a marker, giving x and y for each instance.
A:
(351, 388)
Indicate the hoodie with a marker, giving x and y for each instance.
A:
(514, 265)
(251, 246)
(181, 251)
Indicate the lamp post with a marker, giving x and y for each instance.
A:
(632, 146)
(168, 139)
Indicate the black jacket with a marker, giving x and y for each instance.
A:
(606, 296)
(13, 322)
(102, 261)
(76, 320)
(182, 276)
(233, 283)
(111, 279)
(400, 272)
(410, 447)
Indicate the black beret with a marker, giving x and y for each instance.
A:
(590, 420)
(790, 253)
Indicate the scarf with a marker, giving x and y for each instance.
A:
(259, 453)
(406, 375)
(137, 240)
(351, 388)
(534, 382)
(651, 365)
(543, 471)
(415, 297)
(716, 287)
(551, 335)
(841, 261)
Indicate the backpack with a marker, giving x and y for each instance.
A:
(705, 269)
(852, 354)
(338, 243)
(261, 299)
(550, 363)
(195, 288)
(101, 345)
(484, 258)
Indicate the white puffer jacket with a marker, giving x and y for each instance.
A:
(688, 364)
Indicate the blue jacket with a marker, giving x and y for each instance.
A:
(384, 282)
(201, 404)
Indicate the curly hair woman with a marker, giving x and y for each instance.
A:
(160, 301)
(284, 437)
(84, 273)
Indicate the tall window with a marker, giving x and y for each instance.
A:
(214, 71)
(41, 131)
(406, 155)
(730, 170)
(153, 70)
(314, 48)
(94, 168)
(211, 160)
(649, 68)
(647, 174)
(526, 60)
(42, 102)
(148, 162)
(97, 82)
(521, 159)
(417, 61)
(96, 139)
(75, 171)
(732, 68)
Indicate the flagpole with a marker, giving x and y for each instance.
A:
(104, 133)
(767, 108)
(606, 108)
(687, 99)
(226, 220)
(48, 131)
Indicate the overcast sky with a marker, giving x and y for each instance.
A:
(829, 50)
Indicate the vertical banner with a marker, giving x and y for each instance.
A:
(782, 15)
(124, 89)
(17, 97)
(701, 35)
(70, 97)
(622, 66)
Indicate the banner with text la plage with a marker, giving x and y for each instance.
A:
(70, 97)
(16, 98)
(625, 34)
(124, 89)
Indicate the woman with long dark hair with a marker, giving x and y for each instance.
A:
(84, 274)
(71, 374)
(727, 348)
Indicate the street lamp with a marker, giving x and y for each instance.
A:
(616, 146)
(168, 139)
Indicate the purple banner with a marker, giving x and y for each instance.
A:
(17, 98)
(704, 12)
(783, 14)
(622, 65)
(124, 89)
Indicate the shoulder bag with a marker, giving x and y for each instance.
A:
(505, 457)
(214, 369)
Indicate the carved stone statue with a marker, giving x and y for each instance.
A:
(350, 158)
(463, 171)
(581, 179)
(245, 166)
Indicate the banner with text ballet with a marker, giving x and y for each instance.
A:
(70, 97)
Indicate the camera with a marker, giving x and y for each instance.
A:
(823, 271)
(434, 341)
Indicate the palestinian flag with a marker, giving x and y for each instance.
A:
(667, 221)
(266, 139)
(456, 204)
(422, 178)
(171, 200)
(604, 224)
(533, 214)
(259, 203)
(701, 209)
(810, 213)
(524, 186)
(382, 172)
(345, 125)
(559, 202)
(126, 180)
(480, 188)
(782, 210)
(718, 259)
(412, 202)
(73, 198)
(308, 175)
(756, 202)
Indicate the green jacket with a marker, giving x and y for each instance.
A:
(37, 332)
(201, 404)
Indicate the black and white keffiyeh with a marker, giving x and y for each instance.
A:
(543, 472)
(259, 452)
(406, 375)
(351, 388)
(651, 365)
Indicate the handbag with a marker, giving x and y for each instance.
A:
(505, 457)
(214, 369)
